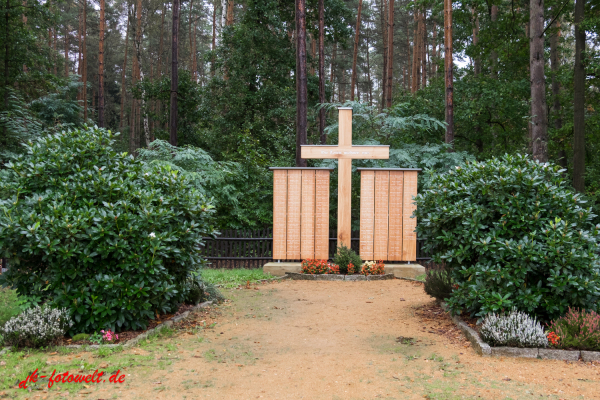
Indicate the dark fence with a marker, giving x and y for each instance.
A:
(254, 248)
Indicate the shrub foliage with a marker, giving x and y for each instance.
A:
(36, 326)
(516, 329)
(512, 234)
(345, 256)
(98, 232)
(577, 329)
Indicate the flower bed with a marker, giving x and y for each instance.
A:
(322, 267)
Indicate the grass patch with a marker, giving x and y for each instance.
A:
(230, 278)
(421, 277)
(9, 304)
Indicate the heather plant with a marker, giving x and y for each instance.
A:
(511, 233)
(577, 329)
(345, 256)
(99, 233)
(516, 329)
(36, 327)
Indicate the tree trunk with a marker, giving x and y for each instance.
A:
(369, 75)
(434, 51)
(323, 137)
(123, 95)
(579, 101)
(214, 38)
(301, 95)
(174, 74)
(161, 47)
(101, 66)
(54, 45)
(384, 33)
(390, 75)
(230, 4)
(477, 61)
(79, 50)
(190, 23)
(555, 65)
(448, 72)
(424, 50)
(539, 118)
(333, 58)
(355, 55)
(67, 50)
(84, 96)
(494, 17)
(414, 80)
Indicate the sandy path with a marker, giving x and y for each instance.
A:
(337, 340)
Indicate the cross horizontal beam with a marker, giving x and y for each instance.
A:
(346, 152)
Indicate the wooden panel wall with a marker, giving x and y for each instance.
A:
(367, 213)
(300, 214)
(386, 206)
(280, 214)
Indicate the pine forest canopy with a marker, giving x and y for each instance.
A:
(243, 81)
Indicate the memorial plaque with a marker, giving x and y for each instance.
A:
(382, 195)
(279, 214)
(395, 230)
(367, 214)
(293, 214)
(321, 215)
(409, 236)
(307, 230)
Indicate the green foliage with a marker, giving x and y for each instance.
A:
(80, 336)
(99, 232)
(95, 338)
(9, 304)
(512, 234)
(345, 256)
(438, 283)
(578, 330)
(231, 278)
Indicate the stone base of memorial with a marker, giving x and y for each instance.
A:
(396, 270)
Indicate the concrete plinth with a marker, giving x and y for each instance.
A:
(280, 268)
(398, 270)
(404, 270)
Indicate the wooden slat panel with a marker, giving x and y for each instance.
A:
(382, 194)
(307, 224)
(322, 215)
(409, 236)
(279, 214)
(367, 214)
(395, 229)
(293, 214)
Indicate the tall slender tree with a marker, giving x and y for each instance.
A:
(561, 158)
(449, 72)
(84, 96)
(579, 100)
(384, 33)
(390, 58)
(355, 54)
(323, 137)
(174, 74)
(101, 66)
(539, 118)
(301, 81)
(123, 93)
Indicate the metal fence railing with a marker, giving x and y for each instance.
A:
(254, 248)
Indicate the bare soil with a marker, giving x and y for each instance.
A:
(332, 340)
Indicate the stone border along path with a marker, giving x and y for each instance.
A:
(486, 350)
(334, 277)
(133, 340)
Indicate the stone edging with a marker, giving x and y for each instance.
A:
(486, 350)
(133, 341)
(332, 277)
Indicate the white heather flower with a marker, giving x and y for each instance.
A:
(152, 235)
(515, 329)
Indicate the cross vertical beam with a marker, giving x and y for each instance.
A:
(344, 230)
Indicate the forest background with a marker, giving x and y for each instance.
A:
(223, 89)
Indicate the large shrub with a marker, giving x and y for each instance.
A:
(512, 234)
(98, 232)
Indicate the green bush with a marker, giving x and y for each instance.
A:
(98, 232)
(345, 256)
(438, 283)
(512, 234)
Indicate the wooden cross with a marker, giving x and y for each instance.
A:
(345, 152)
